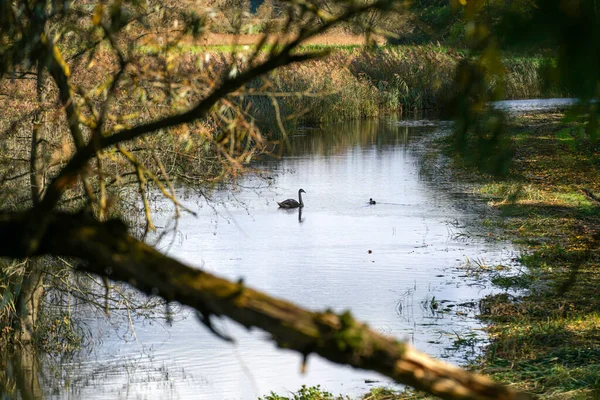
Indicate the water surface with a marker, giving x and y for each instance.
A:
(387, 263)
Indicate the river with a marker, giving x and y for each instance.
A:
(397, 264)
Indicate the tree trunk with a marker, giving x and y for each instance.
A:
(110, 251)
(32, 289)
(29, 300)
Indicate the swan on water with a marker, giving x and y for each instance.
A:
(291, 203)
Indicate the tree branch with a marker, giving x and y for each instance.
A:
(110, 251)
(277, 59)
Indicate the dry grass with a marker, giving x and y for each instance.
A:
(332, 39)
(361, 83)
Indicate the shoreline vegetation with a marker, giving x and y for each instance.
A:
(352, 82)
(547, 341)
(355, 82)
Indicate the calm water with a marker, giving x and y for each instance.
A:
(534, 105)
(384, 262)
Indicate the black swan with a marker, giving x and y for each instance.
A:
(291, 203)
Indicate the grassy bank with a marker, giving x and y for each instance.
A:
(352, 82)
(548, 342)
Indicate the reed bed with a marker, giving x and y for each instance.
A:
(359, 83)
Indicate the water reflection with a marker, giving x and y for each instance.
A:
(293, 211)
(335, 139)
(533, 105)
(20, 376)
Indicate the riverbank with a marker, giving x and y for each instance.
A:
(350, 83)
(353, 81)
(548, 341)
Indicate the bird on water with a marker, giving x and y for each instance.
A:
(291, 203)
(371, 201)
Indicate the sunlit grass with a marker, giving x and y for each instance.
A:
(516, 193)
(556, 354)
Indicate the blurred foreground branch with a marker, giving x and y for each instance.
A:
(110, 251)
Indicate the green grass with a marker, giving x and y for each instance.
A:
(523, 281)
(556, 354)
(305, 393)
(317, 393)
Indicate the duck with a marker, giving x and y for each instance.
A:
(371, 201)
(291, 203)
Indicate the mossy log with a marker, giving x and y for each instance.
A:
(108, 250)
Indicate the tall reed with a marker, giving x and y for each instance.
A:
(360, 83)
